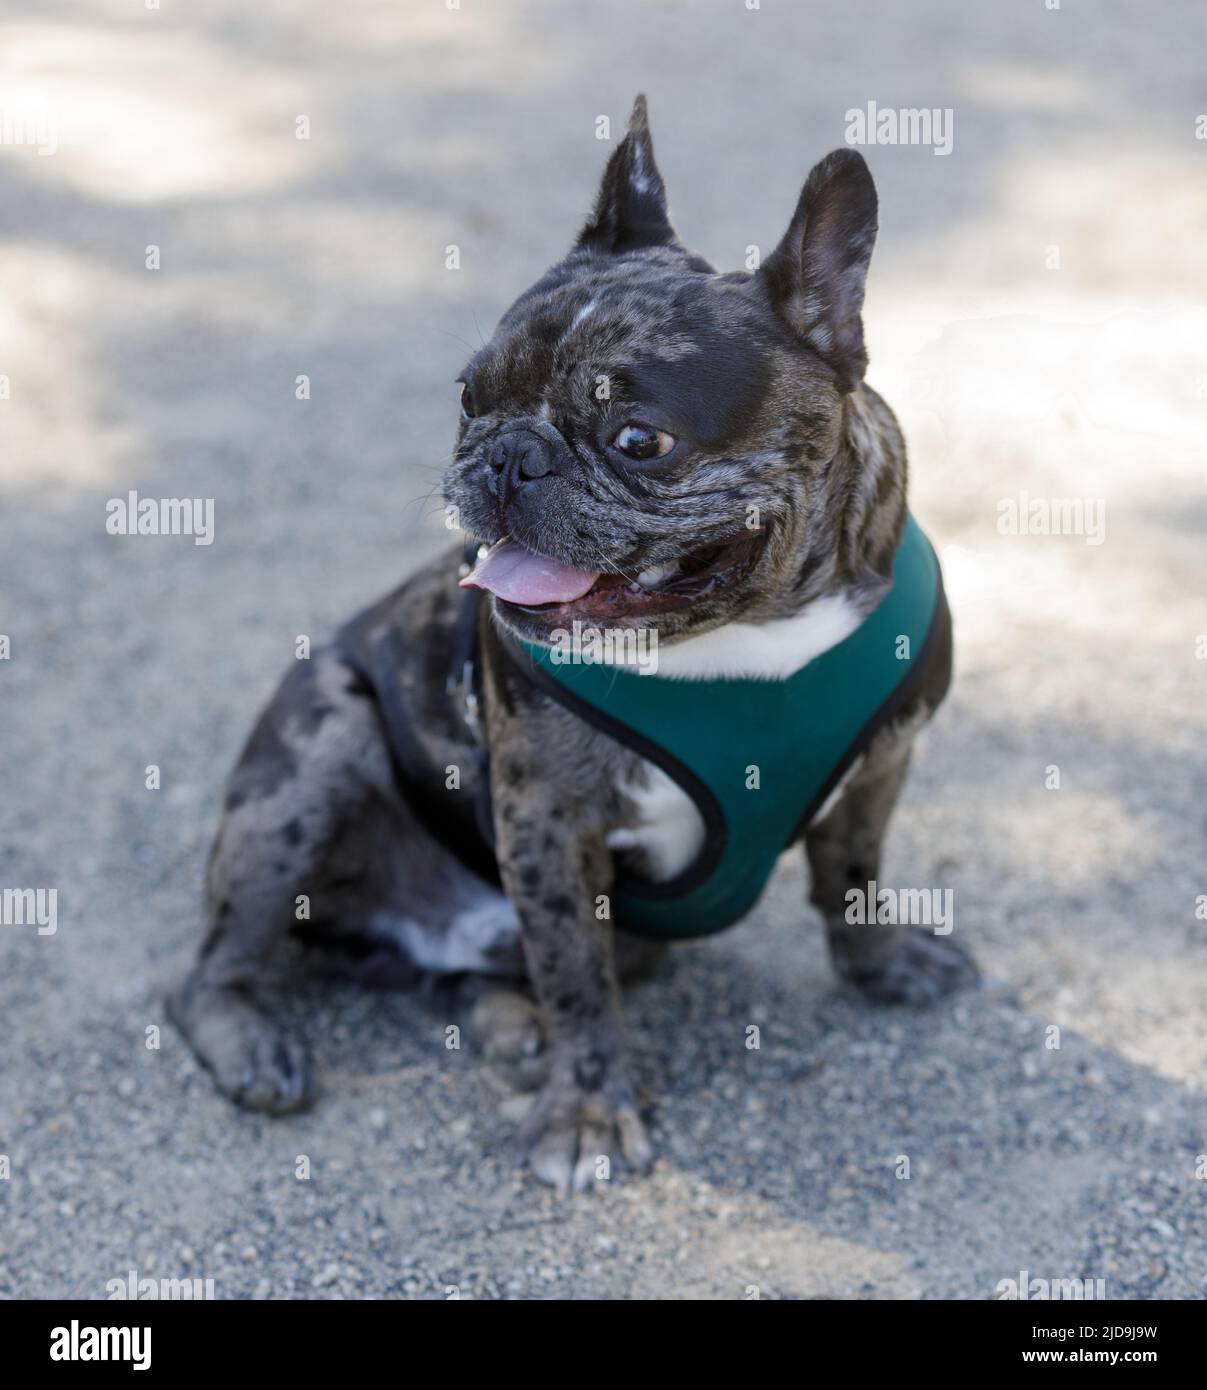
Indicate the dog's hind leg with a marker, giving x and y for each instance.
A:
(312, 761)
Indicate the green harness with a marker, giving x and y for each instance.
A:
(758, 757)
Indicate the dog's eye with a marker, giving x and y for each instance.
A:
(467, 402)
(642, 442)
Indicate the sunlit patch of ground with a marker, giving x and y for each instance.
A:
(66, 422)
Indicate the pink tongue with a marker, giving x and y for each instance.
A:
(522, 576)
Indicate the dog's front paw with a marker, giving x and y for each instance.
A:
(250, 1059)
(573, 1136)
(925, 969)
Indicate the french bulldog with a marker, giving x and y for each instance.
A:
(411, 801)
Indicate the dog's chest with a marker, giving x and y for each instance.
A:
(668, 830)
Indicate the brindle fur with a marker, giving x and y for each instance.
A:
(759, 376)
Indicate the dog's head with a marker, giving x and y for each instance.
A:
(644, 441)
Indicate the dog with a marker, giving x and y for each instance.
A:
(668, 453)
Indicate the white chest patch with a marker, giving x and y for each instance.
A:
(670, 830)
(768, 651)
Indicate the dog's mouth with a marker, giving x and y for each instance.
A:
(535, 583)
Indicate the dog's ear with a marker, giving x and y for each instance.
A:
(816, 275)
(630, 211)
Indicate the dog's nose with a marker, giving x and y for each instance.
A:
(518, 458)
(527, 455)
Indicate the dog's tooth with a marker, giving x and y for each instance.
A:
(634, 587)
(654, 576)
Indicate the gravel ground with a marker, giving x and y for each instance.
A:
(1074, 375)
